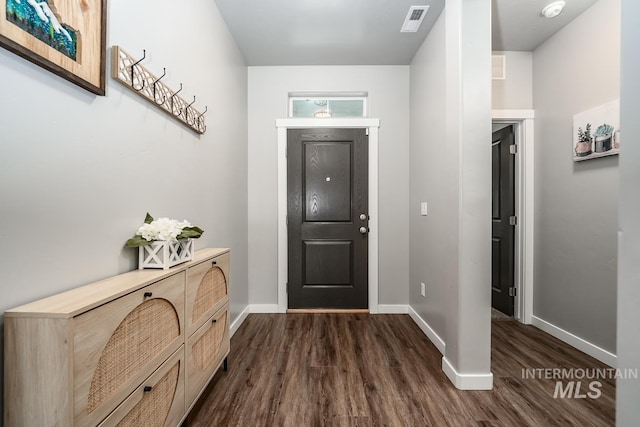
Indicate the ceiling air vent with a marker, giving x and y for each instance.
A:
(498, 67)
(414, 19)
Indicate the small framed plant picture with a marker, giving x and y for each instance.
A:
(63, 36)
(596, 132)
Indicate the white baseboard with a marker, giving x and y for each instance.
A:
(393, 309)
(428, 331)
(264, 308)
(467, 381)
(235, 325)
(592, 350)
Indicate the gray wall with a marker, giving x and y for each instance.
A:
(433, 179)
(388, 88)
(628, 390)
(78, 172)
(468, 127)
(515, 92)
(576, 204)
(450, 247)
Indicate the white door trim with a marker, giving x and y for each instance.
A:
(372, 125)
(523, 132)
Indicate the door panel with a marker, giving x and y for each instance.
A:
(495, 265)
(328, 263)
(495, 192)
(503, 233)
(327, 179)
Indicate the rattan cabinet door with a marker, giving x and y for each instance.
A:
(205, 350)
(159, 401)
(207, 290)
(119, 344)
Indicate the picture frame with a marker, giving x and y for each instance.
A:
(596, 132)
(65, 37)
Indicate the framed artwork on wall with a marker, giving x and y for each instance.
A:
(66, 37)
(596, 132)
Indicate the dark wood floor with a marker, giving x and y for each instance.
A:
(362, 370)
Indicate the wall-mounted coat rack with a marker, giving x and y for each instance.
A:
(128, 71)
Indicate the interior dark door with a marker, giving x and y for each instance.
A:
(503, 208)
(327, 218)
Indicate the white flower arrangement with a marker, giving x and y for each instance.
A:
(163, 229)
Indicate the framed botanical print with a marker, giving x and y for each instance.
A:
(596, 132)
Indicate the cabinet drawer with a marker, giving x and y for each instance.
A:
(207, 290)
(204, 351)
(159, 401)
(119, 344)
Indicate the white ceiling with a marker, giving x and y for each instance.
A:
(325, 32)
(367, 32)
(518, 24)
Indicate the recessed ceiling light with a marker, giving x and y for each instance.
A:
(553, 9)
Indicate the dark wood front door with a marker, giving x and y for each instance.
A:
(503, 209)
(327, 180)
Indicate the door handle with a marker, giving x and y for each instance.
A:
(363, 230)
(363, 217)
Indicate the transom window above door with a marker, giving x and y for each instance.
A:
(325, 105)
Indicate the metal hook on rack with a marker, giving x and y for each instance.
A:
(144, 55)
(186, 112)
(201, 126)
(172, 102)
(155, 90)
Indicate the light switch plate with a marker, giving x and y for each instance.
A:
(423, 208)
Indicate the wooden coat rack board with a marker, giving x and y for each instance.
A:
(128, 71)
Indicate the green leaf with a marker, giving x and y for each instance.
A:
(137, 241)
(148, 219)
(190, 233)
